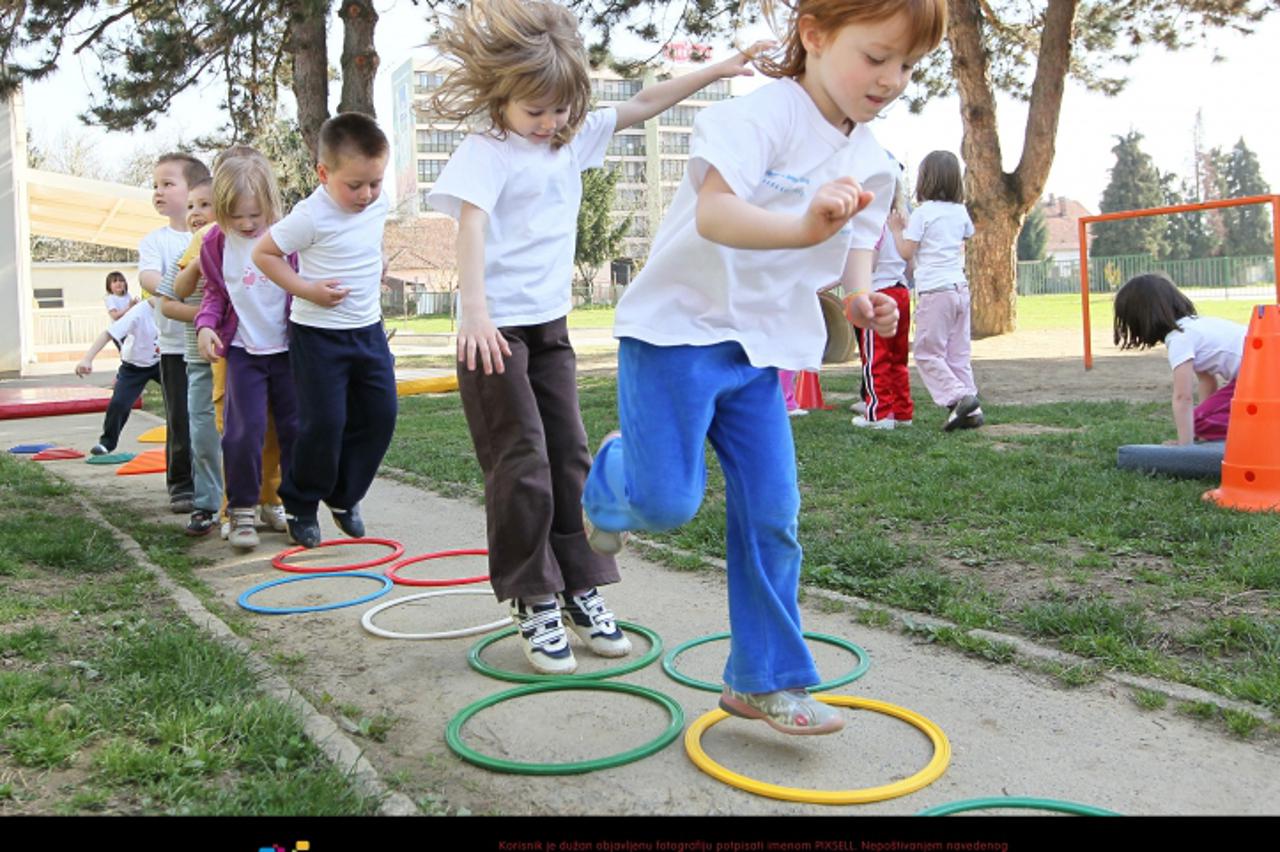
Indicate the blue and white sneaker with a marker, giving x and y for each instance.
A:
(546, 645)
(587, 615)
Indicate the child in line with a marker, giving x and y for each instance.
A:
(118, 299)
(172, 177)
(934, 238)
(1204, 352)
(135, 333)
(886, 381)
(244, 318)
(785, 187)
(338, 350)
(515, 188)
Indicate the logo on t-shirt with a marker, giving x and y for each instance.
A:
(785, 182)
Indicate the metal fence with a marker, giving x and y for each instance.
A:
(1241, 277)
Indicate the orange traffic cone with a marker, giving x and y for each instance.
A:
(809, 391)
(1251, 463)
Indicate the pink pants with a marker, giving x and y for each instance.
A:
(787, 378)
(1212, 414)
(942, 343)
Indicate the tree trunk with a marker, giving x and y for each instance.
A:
(307, 45)
(359, 57)
(998, 201)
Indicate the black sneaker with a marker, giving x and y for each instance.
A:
(593, 622)
(181, 505)
(98, 450)
(200, 524)
(349, 521)
(545, 645)
(303, 531)
(960, 412)
(974, 420)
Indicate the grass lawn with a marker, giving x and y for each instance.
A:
(596, 317)
(1027, 529)
(111, 702)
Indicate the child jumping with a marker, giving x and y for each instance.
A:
(785, 187)
(338, 350)
(244, 318)
(934, 238)
(515, 188)
(1204, 352)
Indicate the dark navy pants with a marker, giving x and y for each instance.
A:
(130, 380)
(346, 388)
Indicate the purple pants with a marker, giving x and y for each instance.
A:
(253, 383)
(1211, 416)
(942, 343)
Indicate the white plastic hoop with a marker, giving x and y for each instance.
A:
(366, 620)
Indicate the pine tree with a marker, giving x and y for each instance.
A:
(1248, 228)
(1034, 235)
(1135, 185)
(1187, 235)
(599, 237)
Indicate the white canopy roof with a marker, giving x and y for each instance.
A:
(92, 211)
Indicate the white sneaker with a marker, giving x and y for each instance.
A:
(272, 517)
(545, 644)
(903, 422)
(587, 615)
(797, 412)
(243, 534)
(226, 529)
(859, 407)
(863, 423)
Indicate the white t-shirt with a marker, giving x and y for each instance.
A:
(137, 335)
(890, 269)
(532, 195)
(259, 303)
(940, 227)
(333, 244)
(1212, 345)
(774, 149)
(159, 251)
(118, 303)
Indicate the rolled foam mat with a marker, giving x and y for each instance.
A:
(1186, 461)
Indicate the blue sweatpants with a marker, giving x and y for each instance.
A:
(670, 400)
(346, 386)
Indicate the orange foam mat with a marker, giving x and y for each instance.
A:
(19, 402)
(152, 461)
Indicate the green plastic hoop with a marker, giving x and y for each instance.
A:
(1023, 802)
(453, 733)
(864, 662)
(655, 651)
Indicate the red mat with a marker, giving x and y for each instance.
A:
(58, 453)
(16, 403)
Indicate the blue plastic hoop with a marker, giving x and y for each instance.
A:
(243, 600)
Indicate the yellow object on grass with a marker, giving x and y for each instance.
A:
(434, 384)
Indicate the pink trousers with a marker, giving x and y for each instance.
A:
(942, 343)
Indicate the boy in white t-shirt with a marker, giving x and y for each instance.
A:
(136, 335)
(158, 254)
(338, 352)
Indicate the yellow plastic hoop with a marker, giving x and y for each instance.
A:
(931, 772)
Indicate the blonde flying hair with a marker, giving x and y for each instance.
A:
(246, 172)
(927, 18)
(513, 50)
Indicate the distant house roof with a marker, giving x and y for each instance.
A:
(1062, 220)
(425, 243)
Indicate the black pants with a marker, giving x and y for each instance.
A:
(530, 442)
(346, 388)
(130, 382)
(177, 443)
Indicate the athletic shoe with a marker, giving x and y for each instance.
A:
(602, 541)
(546, 645)
(859, 407)
(898, 423)
(181, 505)
(587, 615)
(226, 529)
(884, 423)
(303, 531)
(962, 409)
(243, 534)
(349, 521)
(797, 412)
(272, 516)
(974, 421)
(201, 523)
(791, 711)
(98, 450)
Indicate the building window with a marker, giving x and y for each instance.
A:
(627, 172)
(673, 142)
(627, 145)
(439, 141)
(429, 170)
(629, 199)
(673, 169)
(49, 298)
(423, 205)
(717, 91)
(425, 81)
(668, 193)
(678, 116)
(614, 90)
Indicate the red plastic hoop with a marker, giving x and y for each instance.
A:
(397, 550)
(462, 581)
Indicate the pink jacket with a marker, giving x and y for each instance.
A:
(216, 311)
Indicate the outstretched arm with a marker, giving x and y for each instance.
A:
(85, 367)
(652, 100)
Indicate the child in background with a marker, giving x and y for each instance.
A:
(1204, 352)
(934, 238)
(338, 350)
(515, 188)
(135, 333)
(244, 318)
(118, 299)
(172, 177)
(774, 199)
(886, 381)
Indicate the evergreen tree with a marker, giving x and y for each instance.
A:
(599, 237)
(1187, 235)
(1248, 228)
(1034, 235)
(1135, 185)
